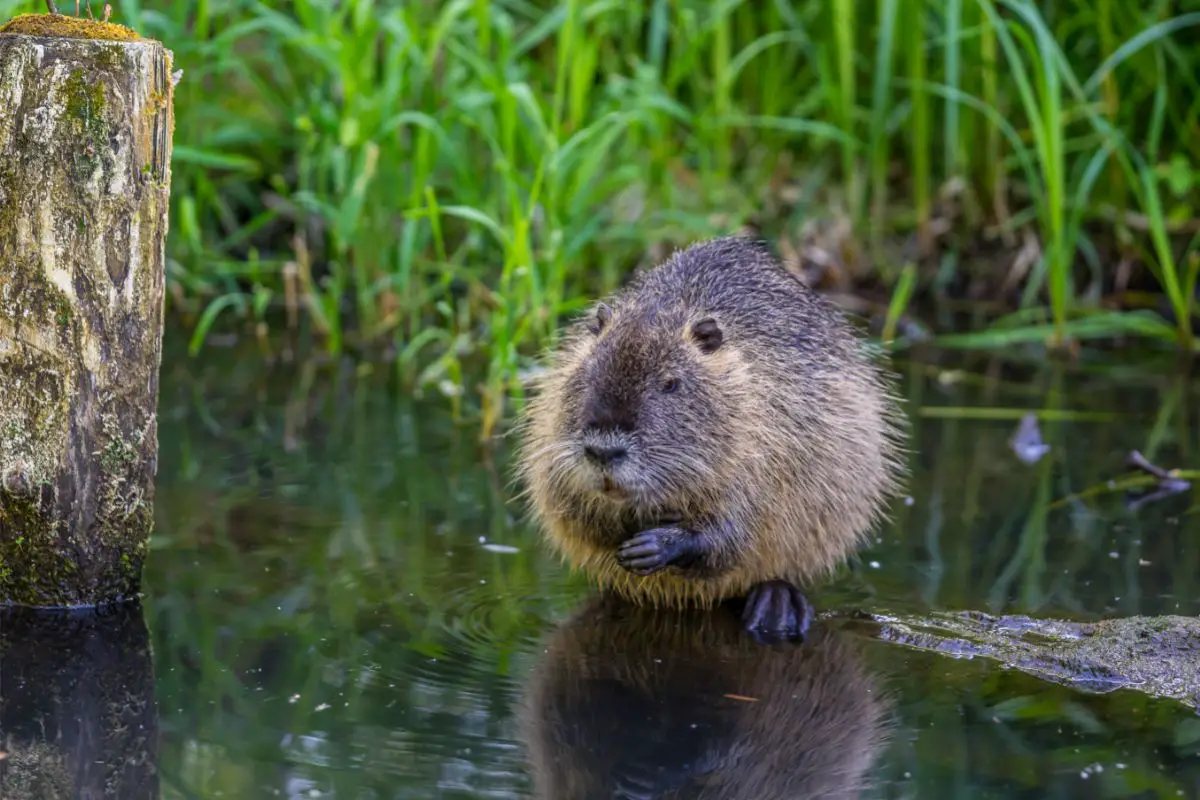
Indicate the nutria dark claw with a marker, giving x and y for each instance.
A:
(652, 550)
(776, 610)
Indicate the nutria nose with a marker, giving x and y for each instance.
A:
(604, 455)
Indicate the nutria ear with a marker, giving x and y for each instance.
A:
(600, 318)
(707, 334)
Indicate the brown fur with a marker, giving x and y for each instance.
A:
(636, 697)
(782, 446)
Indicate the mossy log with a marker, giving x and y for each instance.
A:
(1158, 656)
(85, 150)
(78, 715)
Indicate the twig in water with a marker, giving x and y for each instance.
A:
(1139, 461)
(1169, 482)
(1135, 500)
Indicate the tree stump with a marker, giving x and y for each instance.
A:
(85, 147)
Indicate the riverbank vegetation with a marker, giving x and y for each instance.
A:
(449, 180)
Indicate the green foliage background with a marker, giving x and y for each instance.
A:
(452, 178)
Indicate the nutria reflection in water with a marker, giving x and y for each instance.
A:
(631, 702)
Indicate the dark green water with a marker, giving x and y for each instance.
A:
(328, 618)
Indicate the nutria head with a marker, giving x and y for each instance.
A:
(647, 414)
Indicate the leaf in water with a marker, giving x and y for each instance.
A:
(501, 548)
(1012, 708)
(1027, 440)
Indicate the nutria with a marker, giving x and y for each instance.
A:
(714, 430)
(630, 701)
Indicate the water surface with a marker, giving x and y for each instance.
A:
(344, 601)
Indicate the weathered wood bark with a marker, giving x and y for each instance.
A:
(85, 146)
(78, 716)
(1159, 656)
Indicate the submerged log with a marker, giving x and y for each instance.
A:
(1158, 656)
(85, 147)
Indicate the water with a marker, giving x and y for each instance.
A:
(331, 616)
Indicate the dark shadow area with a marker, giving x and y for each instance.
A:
(78, 716)
(632, 703)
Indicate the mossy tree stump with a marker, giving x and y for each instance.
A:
(85, 146)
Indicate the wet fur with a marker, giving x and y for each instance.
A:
(638, 698)
(786, 442)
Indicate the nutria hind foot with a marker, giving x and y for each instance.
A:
(777, 611)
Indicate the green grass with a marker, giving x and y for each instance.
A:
(453, 179)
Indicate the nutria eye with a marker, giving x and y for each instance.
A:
(599, 319)
(670, 385)
(707, 335)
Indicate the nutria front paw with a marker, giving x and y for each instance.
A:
(777, 610)
(652, 550)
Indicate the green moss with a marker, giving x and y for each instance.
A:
(124, 518)
(109, 56)
(8, 201)
(33, 571)
(85, 102)
(37, 565)
(117, 454)
(33, 417)
(36, 570)
(63, 26)
(40, 299)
